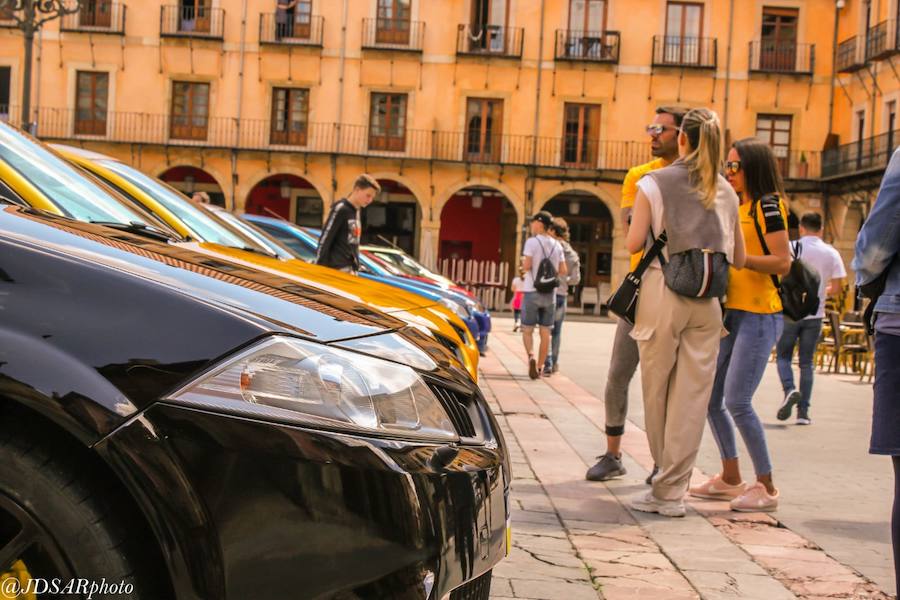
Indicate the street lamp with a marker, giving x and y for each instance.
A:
(285, 189)
(29, 16)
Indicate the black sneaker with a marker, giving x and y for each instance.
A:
(803, 417)
(787, 407)
(606, 468)
(532, 368)
(649, 480)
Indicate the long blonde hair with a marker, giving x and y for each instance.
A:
(704, 159)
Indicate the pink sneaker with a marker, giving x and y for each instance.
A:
(756, 499)
(716, 489)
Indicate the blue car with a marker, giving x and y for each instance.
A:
(303, 241)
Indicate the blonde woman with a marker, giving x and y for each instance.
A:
(678, 336)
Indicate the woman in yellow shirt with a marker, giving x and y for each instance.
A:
(753, 319)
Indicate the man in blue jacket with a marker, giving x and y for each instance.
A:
(876, 265)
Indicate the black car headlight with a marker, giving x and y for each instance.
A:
(297, 381)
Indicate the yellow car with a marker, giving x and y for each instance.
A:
(214, 237)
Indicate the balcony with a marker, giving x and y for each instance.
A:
(393, 34)
(782, 58)
(98, 17)
(273, 30)
(850, 56)
(588, 46)
(686, 52)
(882, 41)
(860, 157)
(192, 22)
(489, 40)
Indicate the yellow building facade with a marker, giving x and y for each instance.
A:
(473, 114)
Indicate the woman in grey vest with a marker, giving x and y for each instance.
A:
(678, 336)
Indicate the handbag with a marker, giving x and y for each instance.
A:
(623, 302)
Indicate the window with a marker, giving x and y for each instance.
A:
(190, 110)
(587, 15)
(194, 15)
(392, 25)
(778, 50)
(484, 127)
(91, 95)
(293, 22)
(488, 31)
(95, 13)
(387, 122)
(290, 114)
(581, 135)
(684, 30)
(5, 75)
(775, 130)
(890, 124)
(860, 124)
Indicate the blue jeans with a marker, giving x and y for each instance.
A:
(556, 334)
(746, 348)
(807, 331)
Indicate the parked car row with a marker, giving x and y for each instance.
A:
(190, 406)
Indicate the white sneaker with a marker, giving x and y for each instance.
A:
(649, 503)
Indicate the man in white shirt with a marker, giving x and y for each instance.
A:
(828, 263)
(538, 307)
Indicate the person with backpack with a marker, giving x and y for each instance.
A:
(877, 266)
(544, 264)
(560, 232)
(686, 221)
(753, 319)
(825, 278)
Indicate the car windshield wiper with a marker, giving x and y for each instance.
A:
(259, 251)
(140, 229)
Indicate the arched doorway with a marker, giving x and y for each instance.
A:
(591, 229)
(477, 243)
(393, 218)
(189, 180)
(287, 196)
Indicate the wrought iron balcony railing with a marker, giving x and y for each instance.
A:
(862, 156)
(199, 21)
(393, 34)
(277, 29)
(850, 55)
(688, 52)
(882, 41)
(96, 17)
(782, 57)
(356, 140)
(489, 40)
(592, 46)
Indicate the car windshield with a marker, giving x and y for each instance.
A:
(298, 247)
(201, 225)
(71, 192)
(404, 263)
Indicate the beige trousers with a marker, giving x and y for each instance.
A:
(678, 340)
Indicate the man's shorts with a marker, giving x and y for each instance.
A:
(538, 309)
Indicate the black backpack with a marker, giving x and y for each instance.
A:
(547, 278)
(799, 289)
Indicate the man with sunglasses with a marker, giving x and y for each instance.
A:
(663, 134)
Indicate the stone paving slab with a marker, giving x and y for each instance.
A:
(576, 539)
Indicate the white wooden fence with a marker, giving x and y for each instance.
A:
(488, 280)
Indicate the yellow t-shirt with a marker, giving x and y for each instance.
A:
(629, 191)
(748, 290)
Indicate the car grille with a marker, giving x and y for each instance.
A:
(452, 346)
(477, 589)
(460, 332)
(457, 407)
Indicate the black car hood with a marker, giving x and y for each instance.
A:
(273, 303)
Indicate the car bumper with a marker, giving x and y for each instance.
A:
(251, 509)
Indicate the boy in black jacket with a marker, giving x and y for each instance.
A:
(339, 242)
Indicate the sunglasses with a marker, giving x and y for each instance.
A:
(732, 167)
(657, 129)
